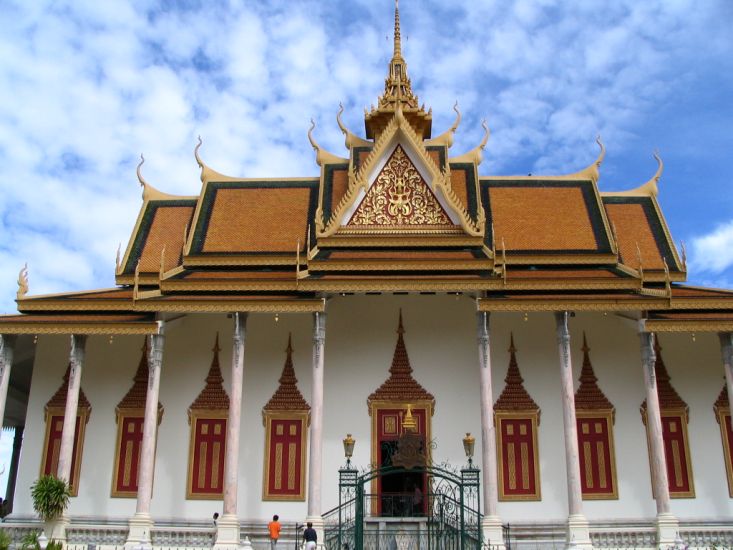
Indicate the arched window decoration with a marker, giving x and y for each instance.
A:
(675, 417)
(723, 416)
(129, 416)
(207, 417)
(55, 412)
(286, 417)
(595, 417)
(517, 419)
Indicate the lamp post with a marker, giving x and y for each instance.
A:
(349, 443)
(469, 442)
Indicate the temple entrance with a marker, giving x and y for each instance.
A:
(447, 518)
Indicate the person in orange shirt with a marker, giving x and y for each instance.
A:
(274, 528)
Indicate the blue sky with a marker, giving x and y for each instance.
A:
(86, 86)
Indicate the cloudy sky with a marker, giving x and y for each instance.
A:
(86, 86)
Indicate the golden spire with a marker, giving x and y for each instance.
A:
(398, 94)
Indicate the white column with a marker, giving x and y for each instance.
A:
(141, 523)
(493, 533)
(227, 527)
(726, 349)
(7, 347)
(667, 524)
(315, 465)
(578, 535)
(76, 362)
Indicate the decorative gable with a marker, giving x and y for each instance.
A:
(399, 197)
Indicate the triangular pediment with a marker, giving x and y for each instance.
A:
(399, 197)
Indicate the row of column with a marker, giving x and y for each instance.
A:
(228, 525)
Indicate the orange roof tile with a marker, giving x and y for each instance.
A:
(340, 183)
(401, 385)
(458, 184)
(538, 218)
(213, 396)
(287, 396)
(402, 254)
(513, 273)
(234, 275)
(262, 219)
(166, 229)
(632, 228)
(514, 396)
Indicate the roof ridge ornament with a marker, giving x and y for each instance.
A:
(648, 189)
(446, 138)
(22, 282)
(351, 139)
(322, 156)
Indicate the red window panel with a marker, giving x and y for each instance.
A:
(53, 447)
(285, 457)
(727, 432)
(596, 457)
(128, 455)
(207, 464)
(679, 475)
(518, 459)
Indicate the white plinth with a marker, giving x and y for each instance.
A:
(138, 537)
(578, 533)
(227, 533)
(493, 533)
(668, 528)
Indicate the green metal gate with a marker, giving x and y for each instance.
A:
(446, 517)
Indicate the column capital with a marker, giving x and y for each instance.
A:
(319, 327)
(726, 342)
(482, 327)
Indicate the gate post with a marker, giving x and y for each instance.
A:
(470, 507)
(347, 486)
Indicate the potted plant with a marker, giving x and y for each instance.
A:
(50, 498)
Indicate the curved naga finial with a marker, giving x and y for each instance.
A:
(487, 133)
(310, 136)
(140, 177)
(322, 156)
(648, 189)
(592, 171)
(446, 138)
(196, 153)
(22, 283)
(117, 258)
(475, 155)
(602, 154)
(351, 139)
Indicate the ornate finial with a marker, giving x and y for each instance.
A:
(400, 328)
(602, 154)
(344, 131)
(397, 35)
(512, 349)
(216, 348)
(585, 348)
(140, 177)
(289, 349)
(22, 282)
(310, 136)
(486, 134)
(117, 257)
(196, 153)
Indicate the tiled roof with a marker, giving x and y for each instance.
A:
(589, 396)
(545, 216)
(254, 217)
(58, 400)
(402, 254)
(560, 274)
(162, 224)
(668, 396)
(63, 318)
(401, 386)
(287, 396)
(514, 396)
(633, 228)
(137, 395)
(213, 396)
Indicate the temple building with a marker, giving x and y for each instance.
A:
(402, 350)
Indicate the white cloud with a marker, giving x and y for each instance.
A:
(713, 252)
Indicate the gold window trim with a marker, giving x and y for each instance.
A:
(684, 418)
(83, 415)
(721, 415)
(268, 417)
(378, 405)
(193, 417)
(533, 416)
(120, 418)
(608, 417)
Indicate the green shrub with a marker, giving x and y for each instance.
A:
(55, 545)
(50, 497)
(4, 540)
(30, 542)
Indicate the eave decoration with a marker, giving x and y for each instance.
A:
(595, 418)
(675, 417)
(286, 417)
(54, 413)
(723, 416)
(207, 416)
(517, 417)
(129, 417)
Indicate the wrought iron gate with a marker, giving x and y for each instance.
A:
(446, 517)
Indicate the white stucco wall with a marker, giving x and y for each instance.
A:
(360, 339)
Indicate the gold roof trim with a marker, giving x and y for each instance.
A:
(351, 140)
(590, 304)
(323, 156)
(475, 155)
(648, 189)
(446, 138)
